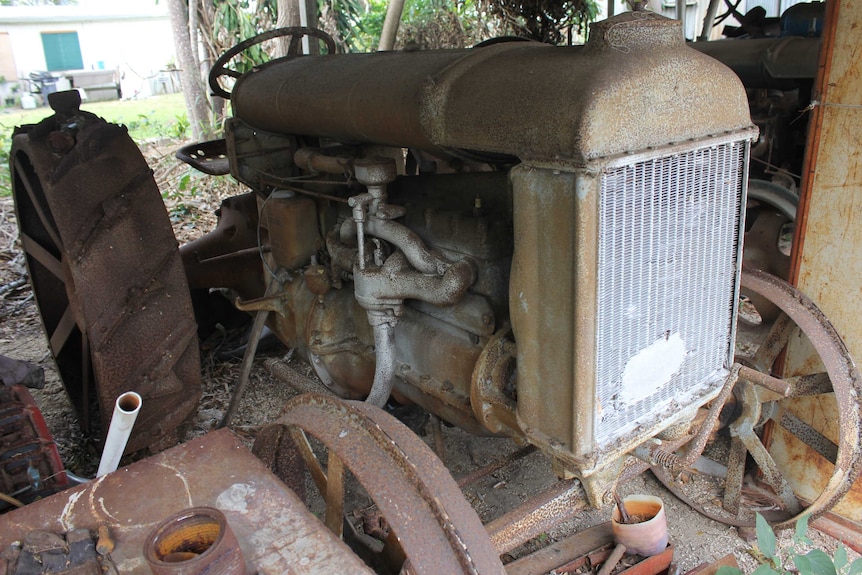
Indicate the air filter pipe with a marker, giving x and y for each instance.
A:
(125, 413)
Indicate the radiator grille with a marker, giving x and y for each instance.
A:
(668, 255)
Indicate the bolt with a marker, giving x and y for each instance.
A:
(105, 544)
(487, 319)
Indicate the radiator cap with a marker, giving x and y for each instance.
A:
(634, 31)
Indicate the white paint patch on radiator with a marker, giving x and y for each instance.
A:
(651, 368)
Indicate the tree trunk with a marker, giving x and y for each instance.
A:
(390, 25)
(290, 14)
(197, 105)
(205, 27)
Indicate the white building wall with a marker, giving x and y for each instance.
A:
(132, 36)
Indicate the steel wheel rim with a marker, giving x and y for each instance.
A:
(846, 384)
(438, 531)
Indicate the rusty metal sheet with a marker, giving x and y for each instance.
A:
(828, 244)
(276, 533)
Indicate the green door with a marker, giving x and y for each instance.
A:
(62, 51)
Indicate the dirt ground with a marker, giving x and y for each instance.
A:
(696, 539)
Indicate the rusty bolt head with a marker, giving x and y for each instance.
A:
(317, 280)
(60, 142)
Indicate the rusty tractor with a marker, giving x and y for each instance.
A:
(534, 242)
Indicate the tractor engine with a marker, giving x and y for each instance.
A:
(529, 241)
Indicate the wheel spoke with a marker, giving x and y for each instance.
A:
(85, 379)
(735, 473)
(334, 494)
(813, 384)
(771, 473)
(818, 442)
(47, 223)
(310, 459)
(294, 48)
(775, 342)
(62, 332)
(41, 255)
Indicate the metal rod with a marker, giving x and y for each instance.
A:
(775, 384)
(708, 20)
(298, 382)
(613, 559)
(496, 466)
(563, 501)
(248, 358)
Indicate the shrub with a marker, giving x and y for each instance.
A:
(774, 561)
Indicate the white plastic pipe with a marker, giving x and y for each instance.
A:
(125, 413)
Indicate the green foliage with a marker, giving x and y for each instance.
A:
(354, 24)
(370, 26)
(5, 178)
(237, 20)
(774, 561)
(431, 24)
(145, 127)
(179, 130)
(552, 21)
(154, 118)
(187, 188)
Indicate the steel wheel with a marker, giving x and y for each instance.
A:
(432, 525)
(106, 273)
(759, 413)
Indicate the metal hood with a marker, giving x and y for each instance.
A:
(635, 85)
